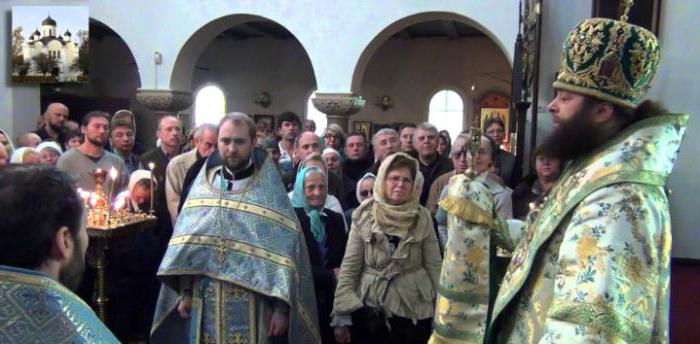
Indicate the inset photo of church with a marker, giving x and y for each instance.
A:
(49, 44)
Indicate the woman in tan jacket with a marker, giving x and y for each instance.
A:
(387, 281)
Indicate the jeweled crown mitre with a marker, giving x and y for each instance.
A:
(608, 59)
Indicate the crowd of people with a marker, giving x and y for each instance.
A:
(330, 181)
(283, 236)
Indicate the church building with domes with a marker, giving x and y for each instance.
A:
(59, 47)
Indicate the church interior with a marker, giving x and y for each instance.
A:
(364, 65)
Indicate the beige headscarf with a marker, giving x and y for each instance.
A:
(397, 219)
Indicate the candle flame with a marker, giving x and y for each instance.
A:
(120, 202)
(113, 173)
(83, 194)
(151, 166)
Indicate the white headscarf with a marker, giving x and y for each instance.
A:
(367, 175)
(18, 154)
(137, 176)
(50, 144)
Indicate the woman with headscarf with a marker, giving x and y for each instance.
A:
(388, 279)
(324, 231)
(6, 141)
(363, 191)
(133, 281)
(26, 155)
(140, 183)
(315, 159)
(49, 152)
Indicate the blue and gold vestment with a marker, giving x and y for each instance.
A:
(34, 308)
(242, 249)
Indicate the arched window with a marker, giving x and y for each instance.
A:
(317, 116)
(446, 112)
(209, 105)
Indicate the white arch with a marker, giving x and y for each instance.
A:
(398, 25)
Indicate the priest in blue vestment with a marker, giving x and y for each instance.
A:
(42, 258)
(237, 268)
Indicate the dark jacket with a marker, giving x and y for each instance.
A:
(507, 169)
(525, 193)
(355, 169)
(440, 166)
(322, 269)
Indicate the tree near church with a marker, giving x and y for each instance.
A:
(44, 64)
(81, 63)
(18, 63)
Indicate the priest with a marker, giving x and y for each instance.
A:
(236, 269)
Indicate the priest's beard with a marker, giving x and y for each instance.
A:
(576, 136)
(71, 275)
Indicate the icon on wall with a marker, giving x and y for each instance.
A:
(501, 114)
(364, 127)
(49, 44)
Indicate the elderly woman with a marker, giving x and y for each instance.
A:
(363, 191)
(334, 137)
(315, 159)
(324, 231)
(387, 283)
(49, 152)
(26, 155)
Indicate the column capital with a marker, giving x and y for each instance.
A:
(338, 107)
(163, 101)
(338, 104)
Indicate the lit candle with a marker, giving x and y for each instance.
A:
(84, 195)
(151, 166)
(113, 173)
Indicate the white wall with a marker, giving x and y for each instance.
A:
(334, 33)
(558, 18)
(412, 71)
(245, 68)
(677, 87)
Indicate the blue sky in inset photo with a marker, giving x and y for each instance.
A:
(71, 18)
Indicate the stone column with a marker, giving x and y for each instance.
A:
(338, 107)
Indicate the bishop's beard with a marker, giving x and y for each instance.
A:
(576, 136)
